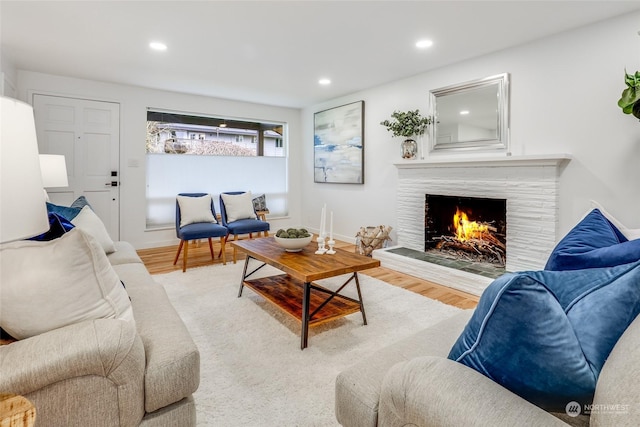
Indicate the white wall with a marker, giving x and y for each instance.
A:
(564, 93)
(8, 76)
(133, 110)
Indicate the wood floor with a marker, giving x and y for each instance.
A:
(160, 260)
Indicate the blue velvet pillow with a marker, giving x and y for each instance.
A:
(66, 212)
(57, 227)
(545, 335)
(80, 203)
(594, 242)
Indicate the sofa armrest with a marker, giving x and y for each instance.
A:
(435, 391)
(61, 372)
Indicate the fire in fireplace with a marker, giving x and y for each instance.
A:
(466, 228)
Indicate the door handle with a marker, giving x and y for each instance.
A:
(111, 184)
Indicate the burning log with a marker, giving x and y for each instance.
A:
(493, 247)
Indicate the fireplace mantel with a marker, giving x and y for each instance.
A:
(493, 161)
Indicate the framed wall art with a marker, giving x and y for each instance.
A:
(338, 144)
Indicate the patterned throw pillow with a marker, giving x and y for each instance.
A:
(260, 203)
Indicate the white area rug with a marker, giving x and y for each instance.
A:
(253, 372)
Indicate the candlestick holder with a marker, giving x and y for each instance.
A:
(331, 244)
(321, 249)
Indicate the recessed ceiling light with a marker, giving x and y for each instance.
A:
(464, 112)
(423, 44)
(157, 46)
(324, 82)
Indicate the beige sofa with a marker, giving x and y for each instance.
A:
(413, 383)
(109, 372)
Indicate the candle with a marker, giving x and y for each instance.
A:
(323, 220)
(331, 226)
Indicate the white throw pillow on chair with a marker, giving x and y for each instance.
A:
(239, 206)
(195, 209)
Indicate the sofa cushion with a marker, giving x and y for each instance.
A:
(238, 206)
(173, 360)
(545, 335)
(358, 388)
(48, 285)
(90, 223)
(594, 242)
(195, 209)
(125, 254)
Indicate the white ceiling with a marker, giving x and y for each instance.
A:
(274, 52)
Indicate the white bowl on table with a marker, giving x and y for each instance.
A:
(293, 244)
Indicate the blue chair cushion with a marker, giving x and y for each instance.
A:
(545, 335)
(246, 226)
(594, 242)
(201, 230)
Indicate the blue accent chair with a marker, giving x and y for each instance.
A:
(201, 230)
(242, 226)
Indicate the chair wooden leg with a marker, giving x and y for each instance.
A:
(224, 256)
(221, 248)
(235, 237)
(211, 249)
(266, 233)
(184, 257)
(178, 254)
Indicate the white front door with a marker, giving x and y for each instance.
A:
(87, 133)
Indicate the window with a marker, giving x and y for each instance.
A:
(191, 153)
(174, 133)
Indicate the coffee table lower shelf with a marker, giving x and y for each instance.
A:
(286, 293)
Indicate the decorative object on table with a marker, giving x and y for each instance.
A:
(409, 125)
(321, 234)
(338, 144)
(630, 98)
(331, 242)
(293, 239)
(370, 238)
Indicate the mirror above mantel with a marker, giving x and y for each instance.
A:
(471, 116)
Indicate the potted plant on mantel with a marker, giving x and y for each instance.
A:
(630, 99)
(409, 125)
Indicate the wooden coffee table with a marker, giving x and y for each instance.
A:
(292, 292)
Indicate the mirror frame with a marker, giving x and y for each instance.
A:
(501, 142)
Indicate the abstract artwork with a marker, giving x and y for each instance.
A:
(338, 144)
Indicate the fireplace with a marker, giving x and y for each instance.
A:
(530, 186)
(472, 229)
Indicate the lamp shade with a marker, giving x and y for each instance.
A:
(54, 170)
(23, 213)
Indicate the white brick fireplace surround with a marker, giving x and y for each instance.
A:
(528, 183)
